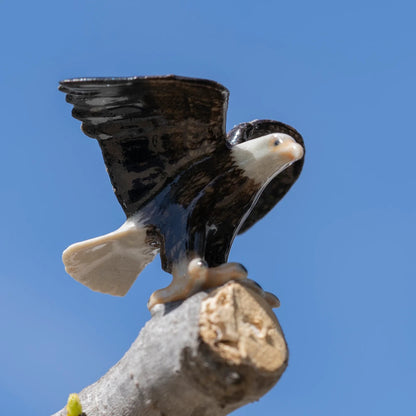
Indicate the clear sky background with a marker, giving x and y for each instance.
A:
(339, 250)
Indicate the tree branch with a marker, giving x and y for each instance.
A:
(206, 356)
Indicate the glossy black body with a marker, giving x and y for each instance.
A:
(200, 211)
(168, 157)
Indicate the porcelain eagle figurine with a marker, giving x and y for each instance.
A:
(186, 187)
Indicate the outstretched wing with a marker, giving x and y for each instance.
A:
(278, 186)
(149, 128)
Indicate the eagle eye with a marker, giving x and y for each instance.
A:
(277, 142)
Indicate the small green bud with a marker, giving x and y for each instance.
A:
(73, 407)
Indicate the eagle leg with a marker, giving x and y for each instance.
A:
(197, 276)
(183, 285)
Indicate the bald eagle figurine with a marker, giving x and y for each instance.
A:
(186, 187)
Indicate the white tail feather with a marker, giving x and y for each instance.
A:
(110, 263)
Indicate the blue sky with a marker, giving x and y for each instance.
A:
(339, 250)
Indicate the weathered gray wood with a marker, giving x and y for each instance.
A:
(205, 356)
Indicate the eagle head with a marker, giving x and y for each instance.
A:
(266, 156)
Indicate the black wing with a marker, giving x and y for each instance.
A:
(278, 187)
(149, 128)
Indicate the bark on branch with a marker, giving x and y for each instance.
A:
(206, 356)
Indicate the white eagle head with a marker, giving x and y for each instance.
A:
(266, 156)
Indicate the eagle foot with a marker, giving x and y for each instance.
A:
(198, 276)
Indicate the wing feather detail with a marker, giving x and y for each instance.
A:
(149, 128)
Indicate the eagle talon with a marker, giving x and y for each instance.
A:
(269, 297)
